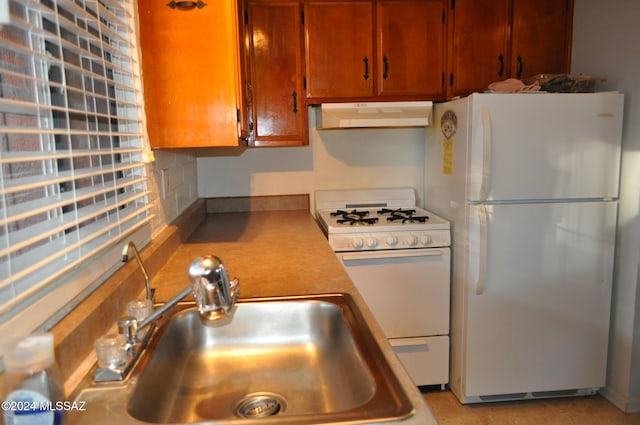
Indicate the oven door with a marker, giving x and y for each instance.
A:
(407, 290)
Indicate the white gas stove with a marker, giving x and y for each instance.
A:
(378, 219)
(398, 257)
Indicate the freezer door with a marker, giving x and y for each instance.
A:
(544, 146)
(537, 290)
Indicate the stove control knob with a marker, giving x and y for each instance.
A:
(412, 240)
(391, 240)
(425, 239)
(357, 243)
(372, 242)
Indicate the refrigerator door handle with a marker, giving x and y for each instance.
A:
(482, 268)
(486, 153)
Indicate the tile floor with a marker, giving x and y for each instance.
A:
(592, 410)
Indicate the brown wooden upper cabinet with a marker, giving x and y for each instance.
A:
(203, 77)
(190, 73)
(541, 37)
(493, 40)
(394, 49)
(273, 49)
(339, 49)
(411, 40)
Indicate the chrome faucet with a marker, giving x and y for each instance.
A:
(215, 297)
(130, 246)
(214, 293)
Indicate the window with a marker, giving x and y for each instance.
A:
(72, 181)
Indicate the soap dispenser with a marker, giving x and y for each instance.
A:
(32, 392)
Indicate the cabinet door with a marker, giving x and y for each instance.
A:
(411, 48)
(541, 37)
(190, 63)
(278, 104)
(339, 51)
(480, 47)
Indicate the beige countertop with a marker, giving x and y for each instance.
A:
(272, 253)
(277, 253)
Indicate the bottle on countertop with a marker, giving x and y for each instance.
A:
(32, 391)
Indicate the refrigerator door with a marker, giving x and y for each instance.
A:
(544, 146)
(537, 295)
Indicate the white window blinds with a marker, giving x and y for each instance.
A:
(72, 182)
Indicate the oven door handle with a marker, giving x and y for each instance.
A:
(373, 255)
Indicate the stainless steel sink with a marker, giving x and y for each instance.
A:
(293, 360)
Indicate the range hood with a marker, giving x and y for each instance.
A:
(373, 115)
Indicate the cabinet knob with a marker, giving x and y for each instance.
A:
(501, 60)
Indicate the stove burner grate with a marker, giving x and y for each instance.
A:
(404, 216)
(354, 217)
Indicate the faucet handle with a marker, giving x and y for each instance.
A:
(214, 293)
(234, 289)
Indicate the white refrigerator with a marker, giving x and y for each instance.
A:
(530, 185)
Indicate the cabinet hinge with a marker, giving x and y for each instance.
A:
(238, 118)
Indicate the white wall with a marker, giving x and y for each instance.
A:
(333, 159)
(606, 42)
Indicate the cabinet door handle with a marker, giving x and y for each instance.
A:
(385, 67)
(501, 60)
(520, 66)
(186, 5)
(366, 68)
(295, 102)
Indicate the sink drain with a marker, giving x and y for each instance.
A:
(260, 405)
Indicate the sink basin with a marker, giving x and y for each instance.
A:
(293, 360)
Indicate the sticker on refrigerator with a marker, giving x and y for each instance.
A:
(448, 126)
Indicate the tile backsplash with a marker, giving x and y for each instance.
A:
(173, 185)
